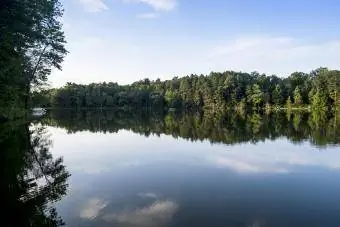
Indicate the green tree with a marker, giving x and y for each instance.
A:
(333, 86)
(319, 101)
(170, 96)
(46, 48)
(31, 44)
(289, 103)
(257, 95)
(277, 95)
(297, 96)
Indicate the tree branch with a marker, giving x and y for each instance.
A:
(37, 64)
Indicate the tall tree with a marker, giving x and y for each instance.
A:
(277, 96)
(319, 101)
(297, 96)
(288, 103)
(31, 43)
(257, 95)
(47, 47)
(333, 85)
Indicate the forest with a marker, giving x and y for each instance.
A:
(319, 89)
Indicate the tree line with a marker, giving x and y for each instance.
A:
(319, 89)
(218, 127)
(31, 44)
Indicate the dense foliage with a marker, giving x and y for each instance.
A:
(319, 89)
(229, 127)
(31, 44)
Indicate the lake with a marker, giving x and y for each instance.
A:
(136, 169)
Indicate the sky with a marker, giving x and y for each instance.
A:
(127, 40)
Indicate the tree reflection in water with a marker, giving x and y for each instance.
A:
(32, 179)
(319, 128)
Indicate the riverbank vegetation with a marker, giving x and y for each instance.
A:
(319, 89)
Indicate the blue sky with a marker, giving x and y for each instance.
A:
(127, 40)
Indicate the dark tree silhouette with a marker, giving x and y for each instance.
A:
(32, 180)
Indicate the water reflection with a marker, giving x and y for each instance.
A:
(32, 180)
(177, 170)
(319, 128)
(159, 213)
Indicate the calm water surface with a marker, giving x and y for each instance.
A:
(197, 170)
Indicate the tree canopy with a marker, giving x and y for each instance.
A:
(319, 89)
(31, 44)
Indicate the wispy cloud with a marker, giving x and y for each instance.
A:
(156, 214)
(158, 5)
(287, 158)
(92, 208)
(94, 5)
(148, 15)
(240, 165)
(147, 195)
(280, 55)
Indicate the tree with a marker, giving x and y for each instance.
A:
(333, 87)
(169, 96)
(46, 48)
(257, 95)
(297, 96)
(288, 103)
(277, 96)
(31, 43)
(249, 94)
(319, 101)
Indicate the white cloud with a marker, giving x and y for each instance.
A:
(98, 152)
(158, 5)
(157, 214)
(147, 195)
(92, 208)
(165, 59)
(244, 166)
(148, 15)
(275, 55)
(94, 5)
(287, 158)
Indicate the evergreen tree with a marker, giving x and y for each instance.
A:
(288, 103)
(297, 96)
(277, 96)
(257, 95)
